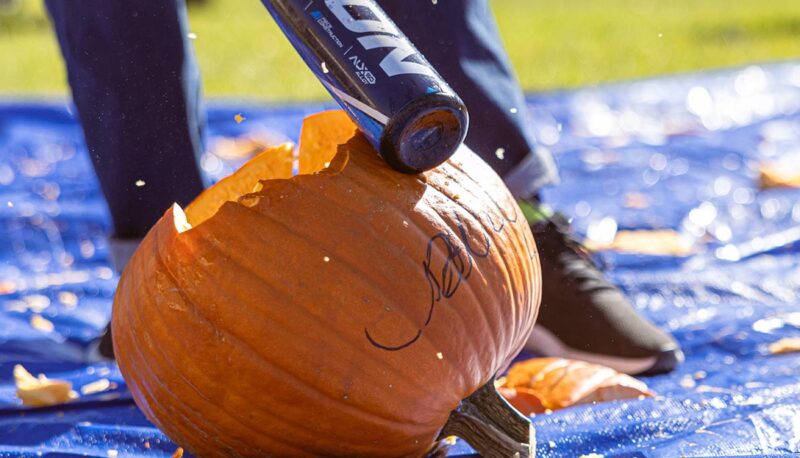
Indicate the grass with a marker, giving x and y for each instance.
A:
(553, 44)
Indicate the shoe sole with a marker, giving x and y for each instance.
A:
(545, 343)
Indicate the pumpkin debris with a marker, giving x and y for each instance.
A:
(540, 385)
(41, 391)
(238, 118)
(139, 183)
(178, 453)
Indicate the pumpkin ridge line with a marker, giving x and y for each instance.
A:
(512, 238)
(146, 390)
(341, 259)
(440, 251)
(353, 267)
(310, 388)
(170, 363)
(494, 296)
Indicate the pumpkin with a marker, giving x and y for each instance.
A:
(345, 311)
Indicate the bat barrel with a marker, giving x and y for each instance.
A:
(398, 100)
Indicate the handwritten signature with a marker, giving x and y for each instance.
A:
(457, 266)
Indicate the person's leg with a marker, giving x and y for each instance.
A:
(136, 89)
(461, 40)
(582, 315)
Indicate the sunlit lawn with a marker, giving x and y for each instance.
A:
(553, 44)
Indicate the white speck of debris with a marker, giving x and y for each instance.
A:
(405, 223)
(327, 164)
(10, 204)
(112, 453)
(324, 67)
(191, 36)
(500, 153)
(660, 35)
(440, 355)
(551, 444)
(326, 259)
(139, 183)
(513, 110)
(435, 1)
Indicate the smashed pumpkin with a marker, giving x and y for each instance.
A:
(540, 384)
(345, 311)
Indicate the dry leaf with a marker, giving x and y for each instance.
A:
(554, 383)
(778, 175)
(636, 200)
(664, 242)
(98, 386)
(42, 324)
(41, 391)
(785, 345)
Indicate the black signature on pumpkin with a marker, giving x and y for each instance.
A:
(456, 268)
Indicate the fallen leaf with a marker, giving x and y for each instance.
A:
(42, 324)
(665, 242)
(778, 175)
(785, 345)
(41, 391)
(636, 200)
(98, 386)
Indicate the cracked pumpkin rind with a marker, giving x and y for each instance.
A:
(340, 313)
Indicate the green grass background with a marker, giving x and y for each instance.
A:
(553, 43)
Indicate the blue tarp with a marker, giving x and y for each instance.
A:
(675, 152)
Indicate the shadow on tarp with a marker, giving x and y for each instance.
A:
(678, 152)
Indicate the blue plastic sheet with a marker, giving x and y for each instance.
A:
(676, 152)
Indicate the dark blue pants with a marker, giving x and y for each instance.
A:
(136, 88)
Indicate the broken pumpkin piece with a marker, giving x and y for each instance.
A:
(41, 391)
(785, 345)
(273, 163)
(540, 384)
(320, 137)
(526, 401)
(663, 242)
(247, 146)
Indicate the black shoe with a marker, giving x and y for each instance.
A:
(101, 348)
(583, 316)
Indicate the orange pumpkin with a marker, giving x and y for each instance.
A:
(342, 312)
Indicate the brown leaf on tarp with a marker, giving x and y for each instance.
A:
(540, 384)
(785, 345)
(41, 391)
(636, 200)
(662, 242)
(778, 175)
